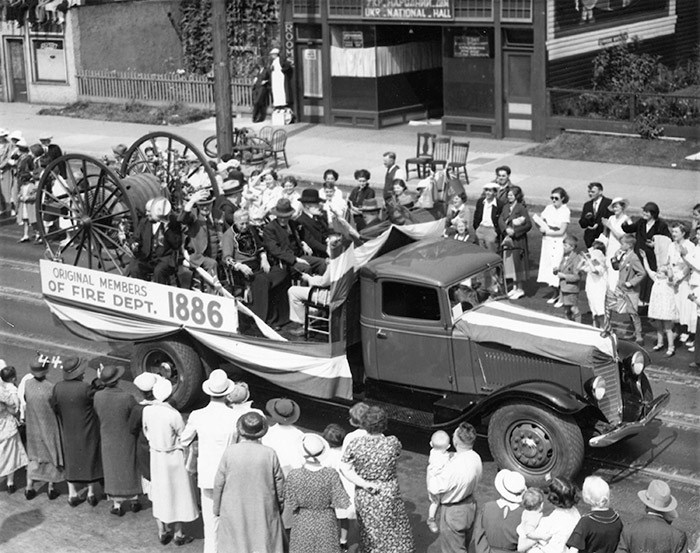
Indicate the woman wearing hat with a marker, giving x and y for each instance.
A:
(12, 453)
(249, 492)
(171, 490)
(43, 435)
(118, 445)
(369, 462)
(144, 382)
(80, 432)
(312, 494)
(614, 232)
(496, 522)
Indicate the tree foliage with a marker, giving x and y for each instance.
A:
(252, 29)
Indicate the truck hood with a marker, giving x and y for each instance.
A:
(523, 329)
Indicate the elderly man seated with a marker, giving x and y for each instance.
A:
(202, 240)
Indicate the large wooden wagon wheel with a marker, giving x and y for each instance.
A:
(177, 163)
(85, 217)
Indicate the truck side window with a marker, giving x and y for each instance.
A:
(410, 301)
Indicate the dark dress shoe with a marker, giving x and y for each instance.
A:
(166, 538)
(30, 494)
(75, 501)
(53, 493)
(119, 511)
(11, 488)
(92, 500)
(182, 540)
(136, 506)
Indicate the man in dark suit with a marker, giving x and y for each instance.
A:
(261, 93)
(313, 224)
(203, 240)
(486, 227)
(653, 532)
(594, 210)
(158, 239)
(52, 152)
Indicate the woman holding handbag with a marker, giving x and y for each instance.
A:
(514, 223)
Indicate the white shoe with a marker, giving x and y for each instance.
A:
(684, 337)
(558, 304)
(517, 294)
(511, 292)
(550, 301)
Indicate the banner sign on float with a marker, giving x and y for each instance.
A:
(117, 294)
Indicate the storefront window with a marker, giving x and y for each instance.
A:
(474, 9)
(345, 8)
(49, 60)
(306, 7)
(516, 10)
(605, 13)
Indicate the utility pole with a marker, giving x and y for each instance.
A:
(222, 79)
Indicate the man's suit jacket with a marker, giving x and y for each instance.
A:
(54, 152)
(281, 245)
(591, 220)
(639, 229)
(479, 213)
(314, 231)
(198, 232)
(632, 271)
(172, 241)
(651, 533)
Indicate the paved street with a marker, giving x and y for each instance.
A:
(667, 449)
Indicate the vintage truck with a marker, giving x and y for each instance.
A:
(420, 323)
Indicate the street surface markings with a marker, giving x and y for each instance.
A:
(480, 160)
(31, 341)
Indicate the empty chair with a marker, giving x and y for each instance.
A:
(425, 142)
(279, 145)
(317, 312)
(441, 151)
(266, 133)
(460, 151)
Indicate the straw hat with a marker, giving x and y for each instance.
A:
(240, 393)
(45, 136)
(218, 384)
(658, 496)
(619, 200)
(160, 208)
(313, 445)
(3, 132)
(162, 389)
(510, 485)
(231, 187)
(145, 381)
(370, 205)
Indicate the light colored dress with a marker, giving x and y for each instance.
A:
(552, 246)
(12, 454)
(614, 245)
(560, 523)
(687, 309)
(662, 301)
(597, 282)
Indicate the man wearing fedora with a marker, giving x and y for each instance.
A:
(249, 492)
(592, 214)
(215, 428)
(313, 225)
(52, 152)
(653, 532)
(80, 431)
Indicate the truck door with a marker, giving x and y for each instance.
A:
(412, 341)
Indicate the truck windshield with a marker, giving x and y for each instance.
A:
(475, 290)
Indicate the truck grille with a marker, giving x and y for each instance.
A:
(611, 404)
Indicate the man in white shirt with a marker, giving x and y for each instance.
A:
(455, 483)
(486, 218)
(215, 427)
(393, 172)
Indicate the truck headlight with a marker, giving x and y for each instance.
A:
(637, 363)
(598, 388)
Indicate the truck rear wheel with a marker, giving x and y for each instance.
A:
(535, 442)
(175, 361)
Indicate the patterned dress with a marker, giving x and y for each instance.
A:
(384, 525)
(313, 497)
(12, 454)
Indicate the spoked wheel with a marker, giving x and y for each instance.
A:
(85, 217)
(180, 167)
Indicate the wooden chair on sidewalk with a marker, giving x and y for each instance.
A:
(425, 142)
(458, 161)
(266, 133)
(279, 146)
(441, 151)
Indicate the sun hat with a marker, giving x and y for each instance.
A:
(275, 51)
(602, 239)
(232, 163)
(240, 393)
(252, 425)
(283, 410)
(310, 196)
(16, 135)
(3, 132)
(22, 143)
(72, 368)
(619, 200)
(510, 485)
(231, 187)
(45, 136)
(162, 389)
(283, 208)
(218, 384)
(313, 445)
(370, 205)
(160, 208)
(658, 496)
(111, 373)
(145, 381)
(491, 186)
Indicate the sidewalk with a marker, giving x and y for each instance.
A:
(313, 148)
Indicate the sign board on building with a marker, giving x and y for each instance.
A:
(407, 9)
(353, 39)
(471, 46)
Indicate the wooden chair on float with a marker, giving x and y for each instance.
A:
(425, 142)
(441, 151)
(458, 161)
(279, 145)
(317, 312)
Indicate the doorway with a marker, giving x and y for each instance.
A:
(17, 76)
(517, 98)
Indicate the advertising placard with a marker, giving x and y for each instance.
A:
(471, 46)
(407, 9)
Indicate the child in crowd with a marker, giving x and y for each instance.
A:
(597, 531)
(439, 457)
(569, 273)
(459, 230)
(625, 298)
(334, 434)
(595, 267)
(533, 504)
(662, 302)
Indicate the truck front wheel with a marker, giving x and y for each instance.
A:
(535, 442)
(175, 361)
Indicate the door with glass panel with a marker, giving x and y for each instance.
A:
(517, 97)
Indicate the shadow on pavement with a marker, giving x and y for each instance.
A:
(18, 523)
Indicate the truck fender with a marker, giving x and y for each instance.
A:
(627, 348)
(548, 394)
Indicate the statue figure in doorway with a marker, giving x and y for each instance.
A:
(281, 71)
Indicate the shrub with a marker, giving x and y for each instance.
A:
(647, 125)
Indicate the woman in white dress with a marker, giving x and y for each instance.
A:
(680, 272)
(614, 231)
(662, 303)
(595, 266)
(277, 80)
(553, 223)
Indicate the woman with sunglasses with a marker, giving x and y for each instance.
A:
(553, 223)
